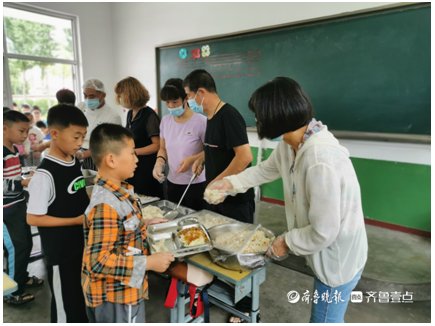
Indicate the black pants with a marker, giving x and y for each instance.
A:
(17, 243)
(67, 300)
(193, 198)
(243, 212)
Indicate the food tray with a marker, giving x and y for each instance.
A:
(165, 236)
(146, 199)
(210, 218)
(166, 206)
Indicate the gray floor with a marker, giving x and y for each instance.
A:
(397, 262)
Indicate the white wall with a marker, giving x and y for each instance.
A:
(119, 40)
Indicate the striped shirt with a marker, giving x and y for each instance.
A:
(12, 189)
(114, 259)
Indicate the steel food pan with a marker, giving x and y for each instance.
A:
(210, 219)
(166, 206)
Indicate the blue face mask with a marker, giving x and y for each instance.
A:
(176, 112)
(277, 139)
(92, 103)
(194, 106)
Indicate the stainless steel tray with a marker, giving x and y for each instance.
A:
(147, 199)
(166, 206)
(210, 218)
(164, 237)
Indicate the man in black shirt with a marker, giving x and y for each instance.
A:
(226, 147)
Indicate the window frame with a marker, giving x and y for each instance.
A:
(75, 62)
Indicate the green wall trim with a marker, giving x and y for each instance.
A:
(392, 192)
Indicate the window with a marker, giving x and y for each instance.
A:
(40, 55)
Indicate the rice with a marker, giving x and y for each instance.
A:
(209, 220)
(259, 242)
(151, 211)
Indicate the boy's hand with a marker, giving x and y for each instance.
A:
(159, 262)
(25, 182)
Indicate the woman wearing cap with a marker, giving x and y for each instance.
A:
(144, 124)
(182, 134)
(97, 112)
(321, 191)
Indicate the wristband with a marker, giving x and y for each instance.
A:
(164, 159)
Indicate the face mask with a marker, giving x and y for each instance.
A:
(92, 103)
(176, 112)
(194, 106)
(277, 139)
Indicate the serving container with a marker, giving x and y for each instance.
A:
(165, 236)
(233, 258)
(166, 206)
(210, 219)
(147, 199)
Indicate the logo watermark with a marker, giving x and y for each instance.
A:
(336, 297)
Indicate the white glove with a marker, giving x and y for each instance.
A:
(278, 250)
(159, 171)
(217, 191)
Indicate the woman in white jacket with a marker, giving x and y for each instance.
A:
(322, 194)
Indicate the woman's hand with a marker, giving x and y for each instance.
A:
(279, 249)
(198, 166)
(159, 170)
(217, 191)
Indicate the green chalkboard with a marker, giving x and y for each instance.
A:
(364, 73)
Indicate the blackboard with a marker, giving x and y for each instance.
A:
(367, 73)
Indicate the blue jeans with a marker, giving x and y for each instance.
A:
(333, 301)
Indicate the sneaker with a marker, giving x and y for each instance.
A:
(19, 298)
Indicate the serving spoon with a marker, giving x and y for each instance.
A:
(174, 213)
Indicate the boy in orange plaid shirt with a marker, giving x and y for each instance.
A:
(115, 258)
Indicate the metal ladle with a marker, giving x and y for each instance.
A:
(174, 213)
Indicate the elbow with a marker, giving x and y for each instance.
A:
(248, 159)
(30, 219)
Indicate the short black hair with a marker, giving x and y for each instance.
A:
(41, 124)
(200, 78)
(65, 115)
(10, 117)
(280, 106)
(105, 138)
(36, 108)
(6, 109)
(173, 90)
(66, 96)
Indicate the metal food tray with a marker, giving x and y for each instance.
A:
(205, 217)
(146, 199)
(168, 232)
(166, 206)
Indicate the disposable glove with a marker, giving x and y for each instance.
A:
(278, 250)
(159, 171)
(217, 191)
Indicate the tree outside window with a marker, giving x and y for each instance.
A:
(40, 56)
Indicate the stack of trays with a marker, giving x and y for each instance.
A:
(182, 237)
